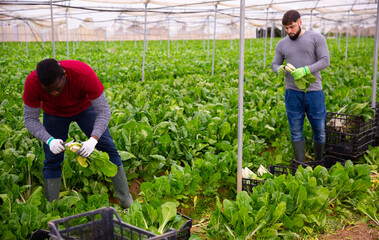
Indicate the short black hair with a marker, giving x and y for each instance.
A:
(290, 16)
(48, 70)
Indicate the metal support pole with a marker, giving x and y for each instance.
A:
(359, 32)
(52, 28)
(67, 46)
(15, 33)
(339, 36)
(177, 38)
(144, 45)
(374, 79)
(168, 36)
(240, 96)
(26, 40)
(134, 34)
(264, 56)
(214, 41)
(2, 31)
(231, 42)
(208, 37)
(251, 39)
(347, 34)
(105, 38)
(310, 22)
(202, 33)
(272, 34)
(73, 41)
(6, 32)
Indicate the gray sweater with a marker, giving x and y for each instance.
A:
(35, 127)
(310, 49)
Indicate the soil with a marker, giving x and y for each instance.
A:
(135, 187)
(357, 232)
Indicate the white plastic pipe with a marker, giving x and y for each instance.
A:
(240, 95)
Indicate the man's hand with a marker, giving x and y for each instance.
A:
(56, 145)
(282, 70)
(300, 72)
(87, 147)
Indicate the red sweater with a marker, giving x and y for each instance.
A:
(82, 86)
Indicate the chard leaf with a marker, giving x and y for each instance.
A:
(167, 213)
(225, 129)
(126, 155)
(322, 195)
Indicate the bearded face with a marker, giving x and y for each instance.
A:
(293, 30)
(296, 35)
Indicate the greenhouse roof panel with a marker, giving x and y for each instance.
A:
(191, 13)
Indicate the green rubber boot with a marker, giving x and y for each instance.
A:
(299, 150)
(319, 150)
(121, 187)
(52, 188)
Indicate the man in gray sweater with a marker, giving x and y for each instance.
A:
(69, 91)
(308, 52)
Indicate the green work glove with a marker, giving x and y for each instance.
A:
(300, 72)
(282, 70)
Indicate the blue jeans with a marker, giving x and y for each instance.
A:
(311, 103)
(58, 128)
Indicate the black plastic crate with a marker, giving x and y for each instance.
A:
(328, 161)
(184, 232)
(278, 170)
(248, 184)
(103, 223)
(40, 234)
(348, 135)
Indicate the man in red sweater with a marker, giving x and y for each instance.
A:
(70, 91)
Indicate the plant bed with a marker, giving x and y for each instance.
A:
(348, 136)
(103, 223)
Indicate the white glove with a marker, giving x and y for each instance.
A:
(56, 145)
(87, 147)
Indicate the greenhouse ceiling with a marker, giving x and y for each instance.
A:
(184, 16)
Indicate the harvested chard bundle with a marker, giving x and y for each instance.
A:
(96, 162)
(304, 82)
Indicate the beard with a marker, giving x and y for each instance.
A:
(294, 37)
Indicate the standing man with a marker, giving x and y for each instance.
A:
(308, 52)
(70, 91)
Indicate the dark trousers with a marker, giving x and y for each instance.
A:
(58, 128)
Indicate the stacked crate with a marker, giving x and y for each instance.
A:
(348, 136)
